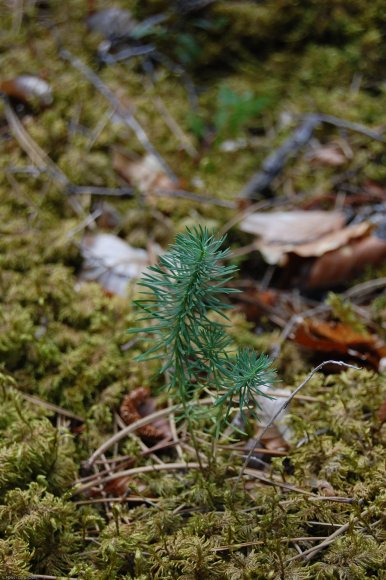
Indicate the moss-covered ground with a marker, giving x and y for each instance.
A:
(257, 67)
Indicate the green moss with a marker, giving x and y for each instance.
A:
(45, 523)
(66, 342)
(14, 558)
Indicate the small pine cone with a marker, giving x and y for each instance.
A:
(130, 413)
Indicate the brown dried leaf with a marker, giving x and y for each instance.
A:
(342, 264)
(273, 439)
(278, 254)
(121, 485)
(29, 89)
(255, 302)
(338, 338)
(146, 173)
(292, 227)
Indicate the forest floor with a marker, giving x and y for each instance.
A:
(264, 121)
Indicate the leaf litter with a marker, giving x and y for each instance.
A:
(313, 504)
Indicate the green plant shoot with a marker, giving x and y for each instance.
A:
(183, 297)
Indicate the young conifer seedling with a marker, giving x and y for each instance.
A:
(183, 297)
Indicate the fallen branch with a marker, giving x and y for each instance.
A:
(274, 164)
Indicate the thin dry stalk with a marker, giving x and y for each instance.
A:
(197, 197)
(32, 149)
(129, 429)
(173, 429)
(124, 499)
(134, 426)
(262, 450)
(177, 131)
(334, 498)
(45, 577)
(310, 553)
(137, 471)
(144, 448)
(38, 157)
(124, 114)
(283, 407)
(243, 214)
(261, 542)
(50, 406)
(260, 475)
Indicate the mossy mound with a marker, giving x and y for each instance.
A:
(67, 359)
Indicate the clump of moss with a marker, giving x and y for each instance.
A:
(67, 343)
(45, 523)
(14, 558)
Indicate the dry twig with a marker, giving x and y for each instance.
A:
(284, 406)
(137, 471)
(124, 114)
(310, 553)
(273, 165)
(129, 429)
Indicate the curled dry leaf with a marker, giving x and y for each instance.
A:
(332, 241)
(28, 89)
(111, 262)
(254, 302)
(340, 251)
(340, 339)
(304, 233)
(139, 404)
(338, 266)
(273, 440)
(146, 174)
(278, 254)
(292, 227)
